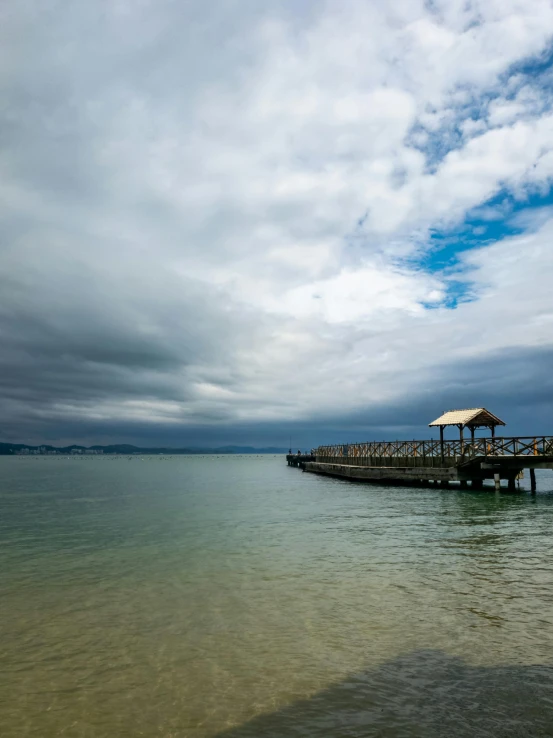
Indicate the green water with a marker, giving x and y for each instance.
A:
(234, 596)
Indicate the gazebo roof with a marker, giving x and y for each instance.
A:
(473, 417)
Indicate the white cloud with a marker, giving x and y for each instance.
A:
(361, 294)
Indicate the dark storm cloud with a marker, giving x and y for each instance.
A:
(521, 394)
(78, 334)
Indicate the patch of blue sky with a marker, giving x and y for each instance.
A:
(536, 65)
(469, 105)
(457, 291)
(501, 217)
(496, 219)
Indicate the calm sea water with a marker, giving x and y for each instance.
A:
(234, 596)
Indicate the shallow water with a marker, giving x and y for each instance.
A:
(235, 596)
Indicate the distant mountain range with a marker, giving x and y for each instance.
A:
(7, 449)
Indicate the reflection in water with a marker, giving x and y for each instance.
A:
(189, 596)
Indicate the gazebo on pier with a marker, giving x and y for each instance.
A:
(475, 417)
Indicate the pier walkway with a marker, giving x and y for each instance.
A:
(439, 461)
(299, 460)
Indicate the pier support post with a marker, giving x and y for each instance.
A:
(477, 483)
(511, 484)
(533, 480)
(464, 484)
(497, 481)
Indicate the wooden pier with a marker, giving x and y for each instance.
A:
(299, 460)
(441, 461)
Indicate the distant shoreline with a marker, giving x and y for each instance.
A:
(23, 449)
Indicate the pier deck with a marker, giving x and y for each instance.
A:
(299, 460)
(435, 461)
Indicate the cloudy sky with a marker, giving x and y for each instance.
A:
(231, 221)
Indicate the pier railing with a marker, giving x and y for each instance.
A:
(459, 451)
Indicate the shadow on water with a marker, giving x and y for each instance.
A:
(423, 694)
